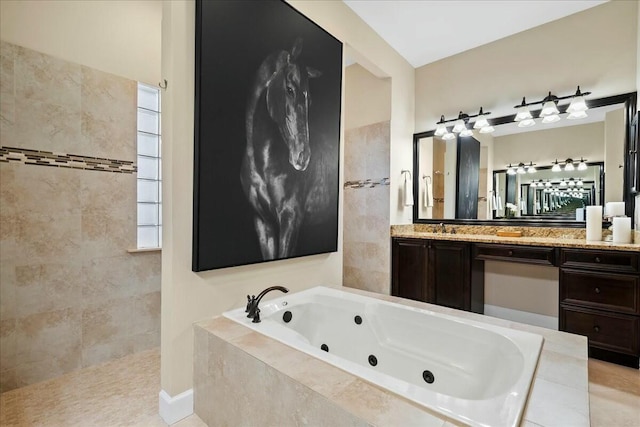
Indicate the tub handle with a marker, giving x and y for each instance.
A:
(596, 328)
(597, 290)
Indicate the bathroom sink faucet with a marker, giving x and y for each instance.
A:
(253, 301)
(443, 228)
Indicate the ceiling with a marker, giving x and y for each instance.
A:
(424, 31)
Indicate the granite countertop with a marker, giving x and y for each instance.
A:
(564, 238)
(559, 395)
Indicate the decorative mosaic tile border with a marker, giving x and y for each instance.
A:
(73, 161)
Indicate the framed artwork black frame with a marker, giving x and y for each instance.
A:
(268, 84)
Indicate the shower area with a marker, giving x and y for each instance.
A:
(366, 263)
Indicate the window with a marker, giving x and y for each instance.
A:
(149, 168)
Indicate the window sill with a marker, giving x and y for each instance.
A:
(135, 251)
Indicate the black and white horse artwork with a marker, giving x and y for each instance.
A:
(275, 173)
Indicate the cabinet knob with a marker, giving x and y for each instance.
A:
(596, 328)
(597, 290)
(510, 253)
(598, 259)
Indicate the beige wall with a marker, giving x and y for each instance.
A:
(595, 49)
(188, 296)
(544, 146)
(70, 294)
(367, 98)
(119, 37)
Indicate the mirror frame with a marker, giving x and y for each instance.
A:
(628, 99)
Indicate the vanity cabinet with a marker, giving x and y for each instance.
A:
(600, 298)
(437, 272)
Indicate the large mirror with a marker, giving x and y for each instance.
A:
(545, 174)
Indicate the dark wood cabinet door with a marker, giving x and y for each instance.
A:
(409, 268)
(450, 279)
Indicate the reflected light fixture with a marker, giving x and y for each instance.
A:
(568, 165)
(448, 136)
(572, 183)
(547, 184)
(579, 183)
(531, 168)
(563, 183)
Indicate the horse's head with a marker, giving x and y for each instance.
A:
(288, 102)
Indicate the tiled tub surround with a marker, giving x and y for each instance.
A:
(366, 209)
(532, 236)
(70, 294)
(243, 377)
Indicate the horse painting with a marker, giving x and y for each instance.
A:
(275, 173)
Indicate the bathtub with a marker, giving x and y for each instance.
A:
(469, 371)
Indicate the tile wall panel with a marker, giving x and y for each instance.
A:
(367, 263)
(70, 294)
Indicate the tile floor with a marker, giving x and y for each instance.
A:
(124, 392)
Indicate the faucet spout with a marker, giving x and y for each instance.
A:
(252, 302)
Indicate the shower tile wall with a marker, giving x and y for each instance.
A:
(70, 294)
(366, 210)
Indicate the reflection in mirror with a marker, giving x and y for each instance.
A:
(546, 194)
(465, 178)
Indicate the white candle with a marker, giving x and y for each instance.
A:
(622, 229)
(580, 214)
(594, 223)
(614, 209)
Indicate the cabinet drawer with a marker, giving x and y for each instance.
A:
(610, 331)
(622, 262)
(609, 291)
(514, 253)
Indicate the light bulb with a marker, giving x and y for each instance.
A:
(551, 119)
(572, 183)
(563, 183)
(577, 104)
(547, 184)
(525, 123)
(440, 130)
(548, 109)
(577, 115)
(582, 166)
(459, 126)
(556, 167)
(531, 169)
(481, 123)
(569, 167)
(521, 169)
(523, 114)
(580, 183)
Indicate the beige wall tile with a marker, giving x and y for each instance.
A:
(8, 382)
(106, 279)
(48, 236)
(103, 352)
(40, 77)
(33, 372)
(7, 290)
(7, 87)
(42, 336)
(32, 185)
(47, 287)
(7, 344)
(146, 314)
(107, 322)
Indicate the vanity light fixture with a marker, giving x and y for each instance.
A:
(563, 183)
(511, 170)
(550, 112)
(556, 167)
(521, 169)
(531, 168)
(582, 166)
(460, 125)
(572, 183)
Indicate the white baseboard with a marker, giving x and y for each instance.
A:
(173, 409)
(535, 319)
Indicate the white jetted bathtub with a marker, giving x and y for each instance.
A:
(470, 371)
